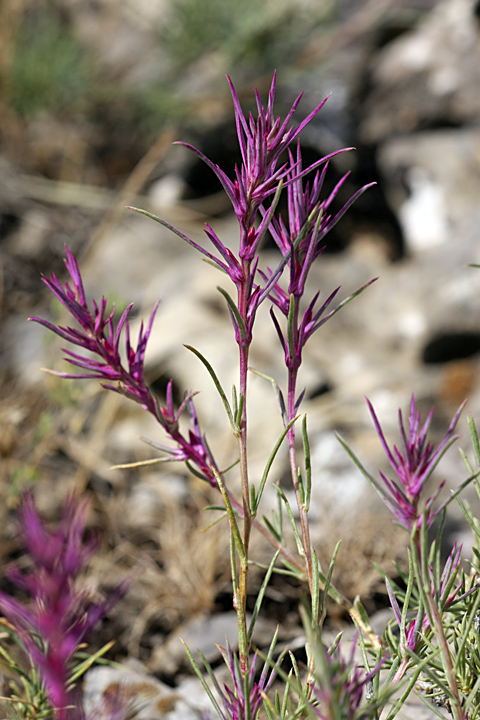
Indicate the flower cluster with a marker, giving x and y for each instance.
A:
(59, 616)
(447, 593)
(254, 194)
(99, 335)
(412, 468)
(262, 142)
(301, 244)
(246, 698)
(342, 687)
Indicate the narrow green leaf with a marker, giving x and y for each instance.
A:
(366, 625)
(286, 693)
(216, 382)
(82, 667)
(252, 497)
(472, 521)
(231, 516)
(272, 528)
(233, 564)
(260, 596)
(235, 313)
(474, 438)
(301, 489)
(328, 580)
(377, 486)
(459, 490)
(193, 471)
(178, 233)
(214, 522)
(308, 464)
(465, 459)
(347, 300)
(300, 549)
(406, 602)
(278, 393)
(239, 413)
(234, 401)
(200, 676)
(268, 466)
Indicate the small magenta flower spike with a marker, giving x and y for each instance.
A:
(262, 141)
(309, 220)
(410, 635)
(245, 700)
(412, 466)
(59, 616)
(100, 337)
(447, 594)
(301, 243)
(341, 687)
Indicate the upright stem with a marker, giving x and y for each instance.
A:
(293, 367)
(292, 452)
(293, 364)
(241, 599)
(437, 627)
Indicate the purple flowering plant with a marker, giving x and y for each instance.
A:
(412, 466)
(58, 615)
(434, 593)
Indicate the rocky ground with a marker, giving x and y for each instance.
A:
(405, 94)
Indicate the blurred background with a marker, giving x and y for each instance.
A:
(92, 95)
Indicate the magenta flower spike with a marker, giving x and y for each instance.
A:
(340, 689)
(262, 141)
(412, 466)
(59, 616)
(254, 192)
(301, 244)
(245, 700)
(309, 220)
(100, 338)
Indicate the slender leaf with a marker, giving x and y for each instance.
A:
(300, 549)
(216, 382)
(200, 676)
(328, 580)
(261, 595)
(234, 310)
(231, 516)
(308, 464)
(278, 392)
(268, 466)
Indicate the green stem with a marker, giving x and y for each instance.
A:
(295, 362)
(435, 616)
(241, 597)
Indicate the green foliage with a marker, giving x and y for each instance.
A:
(50, 70)
(255, 35)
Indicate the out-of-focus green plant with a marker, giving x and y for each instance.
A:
(50, 69)
(250, 34)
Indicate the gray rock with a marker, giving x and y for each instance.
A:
(426, 76)
(145, 697)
